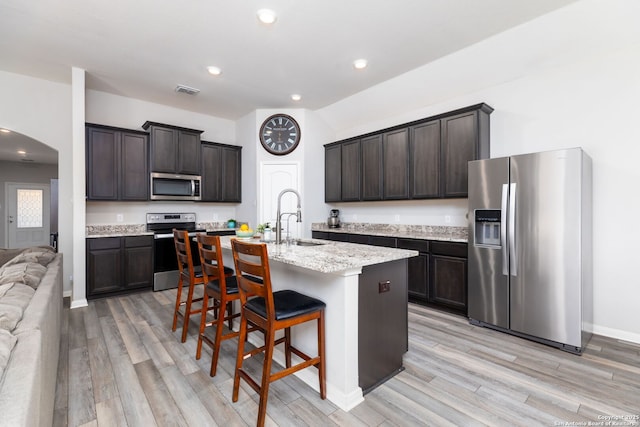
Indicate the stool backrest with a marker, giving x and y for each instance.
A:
(253, 273)
(211, 259)
(183, 251)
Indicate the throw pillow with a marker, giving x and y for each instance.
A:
(28, 273)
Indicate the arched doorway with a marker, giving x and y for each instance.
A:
(28, 191)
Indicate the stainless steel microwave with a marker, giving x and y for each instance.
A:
(169, 186)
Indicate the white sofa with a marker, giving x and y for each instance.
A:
(30, 321)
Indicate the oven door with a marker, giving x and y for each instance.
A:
(165, 266)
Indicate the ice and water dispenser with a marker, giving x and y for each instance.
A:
(487, 227)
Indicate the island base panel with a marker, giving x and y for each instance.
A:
(382, 322)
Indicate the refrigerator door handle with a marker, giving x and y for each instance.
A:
(512, 230)
(503, 230)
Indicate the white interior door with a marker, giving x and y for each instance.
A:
(28, 214)
(275, 177)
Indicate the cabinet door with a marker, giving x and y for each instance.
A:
(418, 272)
(102, 151)
(418, 268)
(188, 153)
(332, 173)
(459, 146)
(104, 265)
(448, 282)
(211, 173)
(350, 167)
(424, 160)
(231, 174)
(138, 262)
(164, 150)
(395, 161)
(134, 169)
(371, 167)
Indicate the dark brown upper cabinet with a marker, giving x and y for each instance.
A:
(395, 165)
(116, 163)
(351, 172)
(465, 137)
(425, 159)
(371, 148)
(174, 149)
(221, 172)
(333, 173)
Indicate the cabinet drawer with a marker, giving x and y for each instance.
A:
(359, 238)
(320, 235)
(221, 233)
(449, 248)
(414, 244)
(389, 242)
(104, 243)
(138, 241)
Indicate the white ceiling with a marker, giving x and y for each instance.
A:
(144, 48)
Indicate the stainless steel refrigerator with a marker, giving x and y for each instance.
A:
(530, 246)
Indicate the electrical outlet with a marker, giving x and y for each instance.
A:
(397, 218)
(384, 286)
(215, 217)
(119, 218)
(447, 219)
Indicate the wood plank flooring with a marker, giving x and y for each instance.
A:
(120, 365)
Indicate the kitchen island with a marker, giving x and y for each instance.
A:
(365, 290)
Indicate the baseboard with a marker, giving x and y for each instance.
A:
(79, 303)
(617, 334)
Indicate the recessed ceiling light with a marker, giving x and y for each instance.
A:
(267, 16)
(296, 97)
(215, 71)
(22, 152)
(5, 131)
(359, 64)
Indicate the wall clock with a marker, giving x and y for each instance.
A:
(280, 134)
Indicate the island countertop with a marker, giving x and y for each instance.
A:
(329, 256)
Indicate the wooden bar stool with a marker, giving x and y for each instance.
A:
(222, 288)
(271, 311)
(187, 273)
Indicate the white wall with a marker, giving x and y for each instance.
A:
(570, 78)
(41, 110)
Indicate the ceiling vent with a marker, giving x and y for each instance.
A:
(186, 89)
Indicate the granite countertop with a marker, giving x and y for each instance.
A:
(118, 230)
(329, 256)
(423, 232)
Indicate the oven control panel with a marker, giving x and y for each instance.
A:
(168, 218)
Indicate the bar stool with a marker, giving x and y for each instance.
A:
(271, 311)
(222, 288)
(188, 273)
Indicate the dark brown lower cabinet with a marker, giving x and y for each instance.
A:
(418, 269)
(437, 277)
(118, 265)
(448, 276)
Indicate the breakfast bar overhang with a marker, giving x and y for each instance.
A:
(365, 290)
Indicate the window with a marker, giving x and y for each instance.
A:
(29, 208)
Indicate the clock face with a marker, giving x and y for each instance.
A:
(280, 134)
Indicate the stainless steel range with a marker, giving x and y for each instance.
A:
(165, 265)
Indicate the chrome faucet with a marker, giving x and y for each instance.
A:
(298, 213)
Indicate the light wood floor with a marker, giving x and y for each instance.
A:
(120, 365)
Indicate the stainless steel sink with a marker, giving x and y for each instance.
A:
(306, 243)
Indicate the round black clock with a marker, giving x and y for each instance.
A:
(280, 134)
